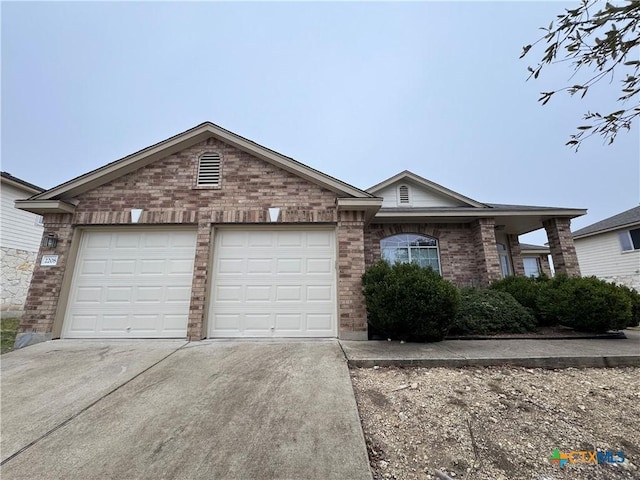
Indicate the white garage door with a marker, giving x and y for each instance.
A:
(131, 284)
(273, 283)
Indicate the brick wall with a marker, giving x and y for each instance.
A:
(563, 251)
(166, 190)
(352, 322)
(516, 255)
(484, 240)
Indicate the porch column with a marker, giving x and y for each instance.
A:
(484, 238)
(516, 255)
(563, 251)
(352, 312)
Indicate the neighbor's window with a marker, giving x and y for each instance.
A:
(531, 266)
(209, 170)
(629, 239)
(411, 248)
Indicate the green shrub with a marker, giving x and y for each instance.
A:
(633, 295)
(525, 290)
(485, 312)
(405, 301)
(588, 304)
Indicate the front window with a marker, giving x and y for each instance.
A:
(411, 248)
(531, 266)
(503, 254)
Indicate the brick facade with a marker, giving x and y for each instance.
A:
(484, 238)
(563, 251)
(516, 255)
(459, 261)
(166, 191)
(351, 265)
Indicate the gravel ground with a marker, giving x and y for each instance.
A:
(498, 423)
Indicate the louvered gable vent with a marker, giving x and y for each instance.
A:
(209, 169)
(404, 194)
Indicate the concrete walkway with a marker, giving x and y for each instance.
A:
(525, 353)
(200, 410)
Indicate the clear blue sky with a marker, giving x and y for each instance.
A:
(359, 91)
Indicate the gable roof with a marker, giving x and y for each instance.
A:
(19, 183)
(627, 218)
(428, 184)
(190, 137)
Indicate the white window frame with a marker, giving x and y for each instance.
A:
(626, 240)
(410, 247)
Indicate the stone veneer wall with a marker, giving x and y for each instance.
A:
(17, 269)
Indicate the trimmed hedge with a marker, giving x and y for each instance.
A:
(485, 312)
(634, 297)
(407, 302)
(525, 290)
(588, 304)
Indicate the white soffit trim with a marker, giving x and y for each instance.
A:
(40, 207)
(423, 182)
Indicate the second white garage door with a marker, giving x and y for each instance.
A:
(273, 283)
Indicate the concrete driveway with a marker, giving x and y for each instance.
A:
(171, 409)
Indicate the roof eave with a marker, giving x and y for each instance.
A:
(41, 207)
(178, 142)
(428, 184)
(370, 206)
(606, 230)
(27, 188)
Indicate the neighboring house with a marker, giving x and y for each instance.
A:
(208, 234)
(610, 248)
(20, 236)
(535, 260)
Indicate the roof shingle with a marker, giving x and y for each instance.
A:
(626, 218)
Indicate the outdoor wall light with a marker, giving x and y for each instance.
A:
(274, 213)
(135, 214)
(50, 240)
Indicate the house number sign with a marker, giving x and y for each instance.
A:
(49, 260)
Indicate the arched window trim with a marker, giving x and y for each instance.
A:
(402, 247)
(209, 172)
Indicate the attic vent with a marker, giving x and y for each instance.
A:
(403, 192)
(209, 169)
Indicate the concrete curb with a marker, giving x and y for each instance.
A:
(532, 362)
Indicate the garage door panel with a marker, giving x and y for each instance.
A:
(277, 279)
(319, 321)
(131, 284)
(319, 293)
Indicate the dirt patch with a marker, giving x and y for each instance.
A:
(499, 423)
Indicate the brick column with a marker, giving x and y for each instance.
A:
(44, 291)
(516, 255)
(545, 268)
(484, 239)
(195, 327)
(562, 248)
(352, 312)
